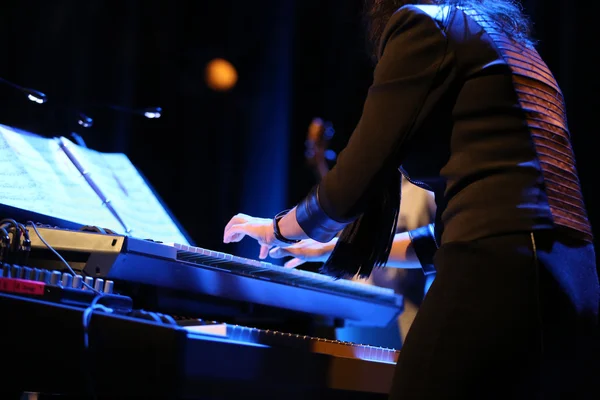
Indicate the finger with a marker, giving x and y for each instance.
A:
(293, 263)
(280, 252)
(236, 237)
(236, 233)
(264, 251)
(236, 220)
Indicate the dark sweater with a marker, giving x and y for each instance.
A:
(470, 115)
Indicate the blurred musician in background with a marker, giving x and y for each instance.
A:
(417, 209)
(462, 101)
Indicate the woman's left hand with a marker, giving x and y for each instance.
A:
(260, 229)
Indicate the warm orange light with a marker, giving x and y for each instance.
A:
(220, 75)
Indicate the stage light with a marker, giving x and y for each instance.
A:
(148, 112)
(35, 96)
(84, 120)
(152, 112)
(32, 95)
(220, 75)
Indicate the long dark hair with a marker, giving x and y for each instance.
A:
(507, 15)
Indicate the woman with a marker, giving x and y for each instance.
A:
(463, 103)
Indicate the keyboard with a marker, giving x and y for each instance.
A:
(144, 354)
(249, 335)
(216, 275)
(276, 273)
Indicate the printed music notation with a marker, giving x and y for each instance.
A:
(126, 190)
(56, 177)
(36, 175)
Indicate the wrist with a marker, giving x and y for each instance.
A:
(278, 237)
(272, 240)
(327, 249)
(329, 246)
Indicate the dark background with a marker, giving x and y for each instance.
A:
(214, 154)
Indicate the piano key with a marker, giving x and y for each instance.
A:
(270, 271)
(271, 338)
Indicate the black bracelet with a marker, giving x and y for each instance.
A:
(276, 231)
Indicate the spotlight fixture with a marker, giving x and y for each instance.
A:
(32, 95)
(148, 112)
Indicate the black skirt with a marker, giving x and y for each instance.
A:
(507, 317)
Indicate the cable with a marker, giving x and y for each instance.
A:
(26, 239)
(26, 245)
(10, 221)
(13, 244)
(87, 318)
(4, 242)
(16, 241)
(61, 257)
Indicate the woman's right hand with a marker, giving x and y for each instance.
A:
(307, 250)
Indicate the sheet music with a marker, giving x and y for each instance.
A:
(36, 175)
(128, 192)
